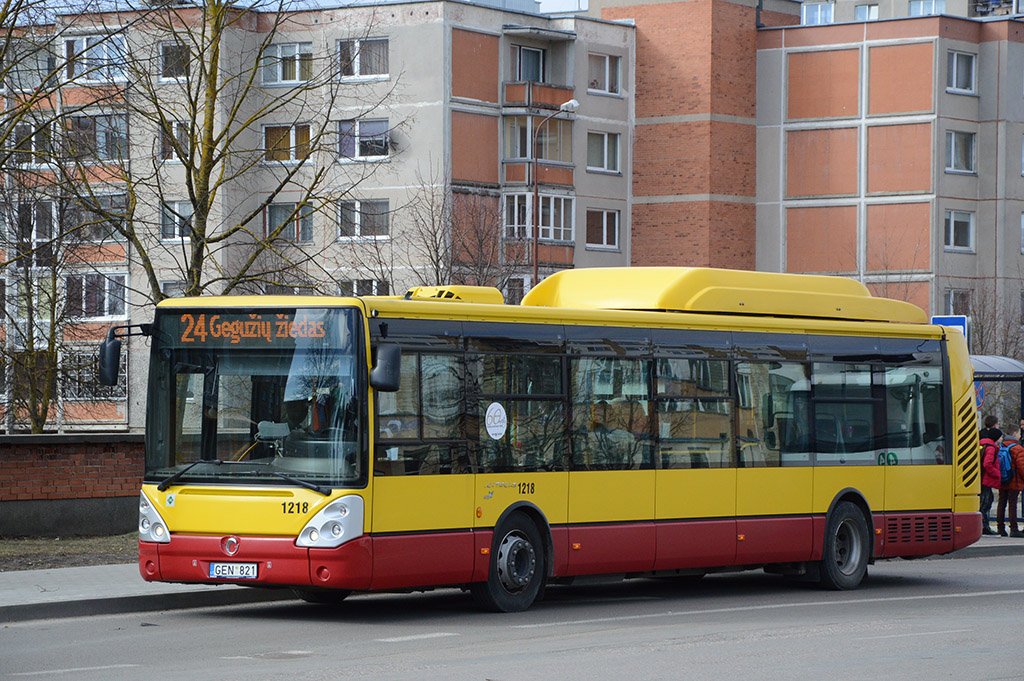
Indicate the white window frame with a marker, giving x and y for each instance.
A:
(371, 287)
(353, 131)
(356, 61)
(952, 138)
(870, 10)
(181, 134)
(517, 210)
(612, 74)
(514, 293)
(815, 14)
(38, 244)
(517, 62)
(926, 8)
(173, 288)
(181, 214)
(953, 70)
(41, 326)
(301, 229)
(277, 57)
(293, 143)
(949, 230)
(113, 294)
(186, 58)
(99, 56)
(76, 387)
(107, 202)
(109, 136)
(550, 205)
(950, 294)
(358, 208)
(604, 245)
(609, 156)
(34, 142)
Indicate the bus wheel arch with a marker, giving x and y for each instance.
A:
(518, 564)
(847, 544)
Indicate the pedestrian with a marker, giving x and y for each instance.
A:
(989, 473)
(1009, 492)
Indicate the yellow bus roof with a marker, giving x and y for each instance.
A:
(708, 290)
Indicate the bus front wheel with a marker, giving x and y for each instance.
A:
(844, 561)
(516, 569)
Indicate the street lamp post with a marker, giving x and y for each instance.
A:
(568, 107)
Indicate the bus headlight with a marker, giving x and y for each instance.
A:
(151, 526)
(336, 523)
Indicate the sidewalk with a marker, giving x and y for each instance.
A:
(79, 591)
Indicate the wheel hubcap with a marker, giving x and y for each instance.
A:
(516, 563)
(848, 547)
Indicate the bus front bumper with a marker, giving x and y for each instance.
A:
(266, 561)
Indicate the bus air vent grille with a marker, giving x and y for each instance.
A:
(966, 451)
(914, 529)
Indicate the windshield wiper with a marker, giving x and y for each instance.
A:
(326, 491)
(174, 478)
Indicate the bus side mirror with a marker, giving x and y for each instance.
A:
(110, 359)
(386, 374)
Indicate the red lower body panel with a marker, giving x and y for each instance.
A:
(774, 540)
(966, 529)
(695, 544)
(597, 549)
(423, 559)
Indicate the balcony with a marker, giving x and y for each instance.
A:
(530, 95)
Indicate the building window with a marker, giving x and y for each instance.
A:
(603, 151)
(81, 381)
(364, 219)
(363, 140)
(176, 220)
(959, 231)
(174, 143)
(517, 137)
(517, 216)
(290, 222)
(865, 13)
(95, 57)
(103, 138)
(35, 300)
(91, 296)
(959, 152)
(32, 143)
(960, 71)
(173, 289)
(174, 61)
(515, 287)
(31, 64)
(103, 220)
(556, 218)
(35, 233)
(603, 74)
(288, 63)
(285, 143)
(527, 63)
(958, 301)
(814, 13)
(554, 143)
(363, 287)
(363, 58)
(924, 8)
(603, 228)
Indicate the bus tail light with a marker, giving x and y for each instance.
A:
(336, 523)
(151, 525)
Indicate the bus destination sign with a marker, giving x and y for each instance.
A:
(249, 329)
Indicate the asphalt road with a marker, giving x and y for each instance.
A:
(927, 619)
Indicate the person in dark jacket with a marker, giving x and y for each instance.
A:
(989, 474)
(1009, 492)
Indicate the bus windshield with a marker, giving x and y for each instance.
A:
(267, 396)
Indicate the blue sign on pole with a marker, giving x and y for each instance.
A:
(957, 321)
(979, 394)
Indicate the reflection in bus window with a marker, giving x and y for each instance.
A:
(529, 390)
(694, 433)
(913, 412)
(774, 424)
(420, 426)
(844, 414)
(611, 413)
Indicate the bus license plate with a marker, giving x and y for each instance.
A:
(232, 570)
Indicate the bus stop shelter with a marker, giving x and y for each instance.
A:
(996, 368)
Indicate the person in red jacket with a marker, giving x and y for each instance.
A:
(1008, 493)
(989, 473)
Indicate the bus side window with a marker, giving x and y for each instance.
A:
(611, 413)
(694, 414)
(845, 405)
(774, 413)
(913, 410)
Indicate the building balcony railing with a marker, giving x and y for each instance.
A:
(517, 172)
(987, 8)
(529, 94)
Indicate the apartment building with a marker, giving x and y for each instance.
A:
(363, 124)
(893, 151)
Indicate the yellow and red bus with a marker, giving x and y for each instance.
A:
(635, 421)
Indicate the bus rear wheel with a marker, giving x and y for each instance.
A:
(516, 568)
(844, 561)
